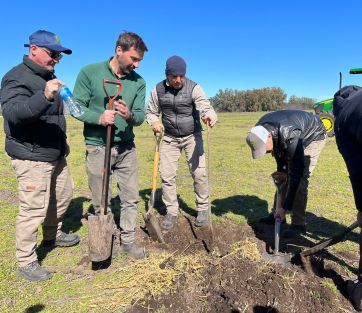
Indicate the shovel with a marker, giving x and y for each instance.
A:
(150, 219)
(100, 228)
(277, 257)
(329, 242)
(209, 180)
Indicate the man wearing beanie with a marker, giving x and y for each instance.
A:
(295, 138)
(180, 102)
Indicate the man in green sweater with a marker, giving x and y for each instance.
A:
(128, 112)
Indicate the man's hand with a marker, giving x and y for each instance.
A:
(122, 109)
(107, 118)
(359, 219)
(52, 87)
(279, 177)
(281, 213)
(209, 120)
(157, 127)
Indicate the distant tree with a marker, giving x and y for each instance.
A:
(302, 103)
(265, 99)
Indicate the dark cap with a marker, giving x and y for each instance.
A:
(175, 65)
(43, 38)
(257, 139)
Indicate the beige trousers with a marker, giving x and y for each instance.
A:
(45, 191)
(170, 153)
(311, 155)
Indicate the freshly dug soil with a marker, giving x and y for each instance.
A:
(232, 283)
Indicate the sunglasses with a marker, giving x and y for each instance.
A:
(55, 55)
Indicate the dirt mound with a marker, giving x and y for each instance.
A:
(235, 279)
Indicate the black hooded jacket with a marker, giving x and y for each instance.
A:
(292, 131)
(35, 128)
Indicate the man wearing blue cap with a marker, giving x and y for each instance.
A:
(35, 130)
(296, 139)
(181, 101)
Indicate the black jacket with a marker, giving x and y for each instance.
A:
(35, 128)
(347, 109)
(292, 131)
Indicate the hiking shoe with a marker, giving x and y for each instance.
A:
(270, 220)
(34, 272)
(202, 218)
(168, 221)
(354, 292)
(294, 231)
(131, 250)
(63, 240)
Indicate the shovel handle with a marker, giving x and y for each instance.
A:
(277, 234)
(119, 89)
(360, 258)
(156, 158)
(329, 242)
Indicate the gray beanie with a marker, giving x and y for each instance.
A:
(175, 65)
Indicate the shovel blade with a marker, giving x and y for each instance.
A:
(153, 228)
(280, 258)
(100, 233)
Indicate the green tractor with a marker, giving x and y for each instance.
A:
(324, 109)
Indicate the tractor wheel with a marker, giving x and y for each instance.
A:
(328, 122)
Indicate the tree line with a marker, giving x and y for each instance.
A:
(256, 100)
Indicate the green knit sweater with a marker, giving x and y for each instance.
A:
(89, 91)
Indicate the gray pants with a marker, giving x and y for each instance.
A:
(170, 153)
(124, 167)
(311, 155)
(45, 191)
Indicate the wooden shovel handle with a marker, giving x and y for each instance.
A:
(156, 157)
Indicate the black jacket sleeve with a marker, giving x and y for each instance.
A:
(295, 166)
(19, 105)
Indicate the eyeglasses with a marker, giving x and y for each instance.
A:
(55, 55)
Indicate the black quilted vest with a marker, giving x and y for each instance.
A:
(179, 115)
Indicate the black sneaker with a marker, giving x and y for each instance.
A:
(294, 231)
(354, 292)
(270, 220)
(168, 221)
(202, 218)
(64, 240)
(34, 272)
(133, 251)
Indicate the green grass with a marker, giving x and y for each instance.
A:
(242, 191)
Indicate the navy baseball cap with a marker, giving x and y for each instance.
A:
(43, 38)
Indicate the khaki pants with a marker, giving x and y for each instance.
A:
(45, 191)
(124, 167)
(169, 156)
(311, 155)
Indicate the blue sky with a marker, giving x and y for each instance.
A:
(300, 46)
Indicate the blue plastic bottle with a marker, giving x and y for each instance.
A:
(72, 105)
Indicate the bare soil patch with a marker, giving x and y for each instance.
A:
(233, 282)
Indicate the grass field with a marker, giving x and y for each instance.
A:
(242, 191)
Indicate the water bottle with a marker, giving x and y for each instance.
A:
(74, 108)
